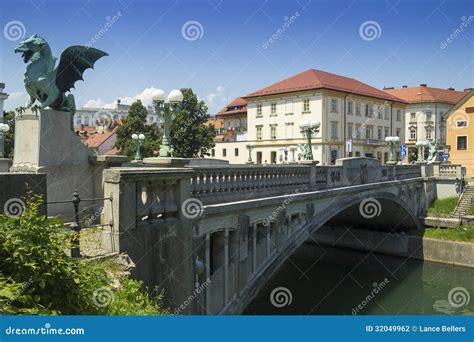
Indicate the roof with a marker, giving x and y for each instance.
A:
(423, 93)
(317, 79)
(237, 106)
(467, 96)
(217, 123)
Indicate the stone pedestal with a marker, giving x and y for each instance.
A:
(166, 162)
(5, 164)
(45, 143)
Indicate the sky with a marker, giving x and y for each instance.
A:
(223, 49)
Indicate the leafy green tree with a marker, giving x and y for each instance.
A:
(135, 123)
(38, 277)
(189, 137)
(9, 118)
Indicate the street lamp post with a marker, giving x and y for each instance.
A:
(292, 150)
(4, 128)
(421, 144)
(138, 138)
(308, 128)
(250, 147)
(392, 143)
(164, 110)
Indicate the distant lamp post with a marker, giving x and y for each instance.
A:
(308, 128)
(4, 128)
(292, 150)
(164, 110)
(421, 144)
(138, 138)
(250, 147)
(392, 143)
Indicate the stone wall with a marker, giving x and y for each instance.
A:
(15, 189)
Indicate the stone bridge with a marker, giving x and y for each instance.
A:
(211, 236)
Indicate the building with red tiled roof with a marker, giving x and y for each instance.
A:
(425, 113)
(234, 118)
(100, 140)
(354, 119)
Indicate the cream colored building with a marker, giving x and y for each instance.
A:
(355, 118)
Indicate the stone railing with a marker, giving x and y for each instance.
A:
(451, 170)
(407, 171)
(214, 184)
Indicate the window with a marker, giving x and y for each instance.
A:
(386, 116)
(412, 117)
(289, 130)
(259, 157)
(273, 132)
(273, 108)
(78, 121)
(306, 107)
(350, 130)
(379, 110)
(213, 152)
(259, 132)
(429, 116)
(398, 132)
(379, 133)
(366, 110)
(413, 134)
(461, 143)
(333, 130)
(357, 154)
(461, 124)
(428, 133)
(333, 105)
(289, 107)
(385, 132)
(259, 110)
(399, 115)
(236, 152)
(371, 111)
(368, 133)
(224, 152)
(86, 121)
(358, 130)
(358, 108)
(350, 106)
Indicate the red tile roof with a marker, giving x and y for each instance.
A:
(426, 94)
(317, 79)
(237, 106)
(217, 123)
(97, 139)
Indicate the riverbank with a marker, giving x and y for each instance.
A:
(398, 244)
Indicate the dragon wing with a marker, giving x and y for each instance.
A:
(73, 62)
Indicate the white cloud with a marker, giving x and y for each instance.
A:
(216, 98)
(16, 95)
(145, 96)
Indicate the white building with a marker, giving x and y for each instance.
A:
(90, 116)
(3, 97)
(425, 113)
(355, 118)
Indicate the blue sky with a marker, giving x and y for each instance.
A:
(231, 55)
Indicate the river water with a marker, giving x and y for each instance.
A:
(332, 281)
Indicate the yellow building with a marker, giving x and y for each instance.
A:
(460, 133)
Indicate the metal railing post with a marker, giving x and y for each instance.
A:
(76, 227)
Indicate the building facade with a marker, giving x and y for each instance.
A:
(354, 118)
(3, 97)
(460, 133)
(93, 116)
(425, 113)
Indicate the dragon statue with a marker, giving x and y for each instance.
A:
(305, 151)
(48, 84)
(433, 151)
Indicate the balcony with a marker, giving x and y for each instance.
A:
(373, 141)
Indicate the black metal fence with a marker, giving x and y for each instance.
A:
(84, 219)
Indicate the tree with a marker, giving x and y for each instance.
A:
(135, 123)
(9, 118)
(189, 137)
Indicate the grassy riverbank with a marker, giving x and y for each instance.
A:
(463, 234)
(442, 207)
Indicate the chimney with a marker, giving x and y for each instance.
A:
(388, 88)
(450, 88)
(405, 86)
(118, 101)
(466, 90)
(423, 85)
(2, 86)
